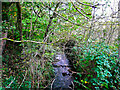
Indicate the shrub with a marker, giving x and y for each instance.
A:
(25, 69)
(97, 66)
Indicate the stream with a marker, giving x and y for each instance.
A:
(63, 78)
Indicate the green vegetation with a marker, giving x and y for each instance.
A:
(37, 31)
(96, 66)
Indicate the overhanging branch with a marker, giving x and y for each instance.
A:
(79, 11)
(66, 18)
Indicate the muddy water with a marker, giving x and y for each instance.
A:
(63, 79)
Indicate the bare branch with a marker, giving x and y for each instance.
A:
(93, 6)
(37, 13)
(70, 21)
(66, 18)
(83, 10)
(50, 21)
(79, 11)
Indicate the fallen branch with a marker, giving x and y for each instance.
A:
(23, 41)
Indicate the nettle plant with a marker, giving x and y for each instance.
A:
(97, 66)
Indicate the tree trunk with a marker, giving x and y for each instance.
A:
(5, 7)
(19, 19)
(50, 21)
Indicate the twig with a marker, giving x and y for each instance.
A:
(82, 84)
(23, 79)
(84, 11)
(10, 83)
(52, 83)
(111, 34)
(37, 13)
(45, 38)
(70, 21)
(73, 72)
(79, 10)
(45, 41)
(93, 6)
(73, 85)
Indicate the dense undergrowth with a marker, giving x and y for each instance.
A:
(96, 66)
(26, 67)
(29, 64)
